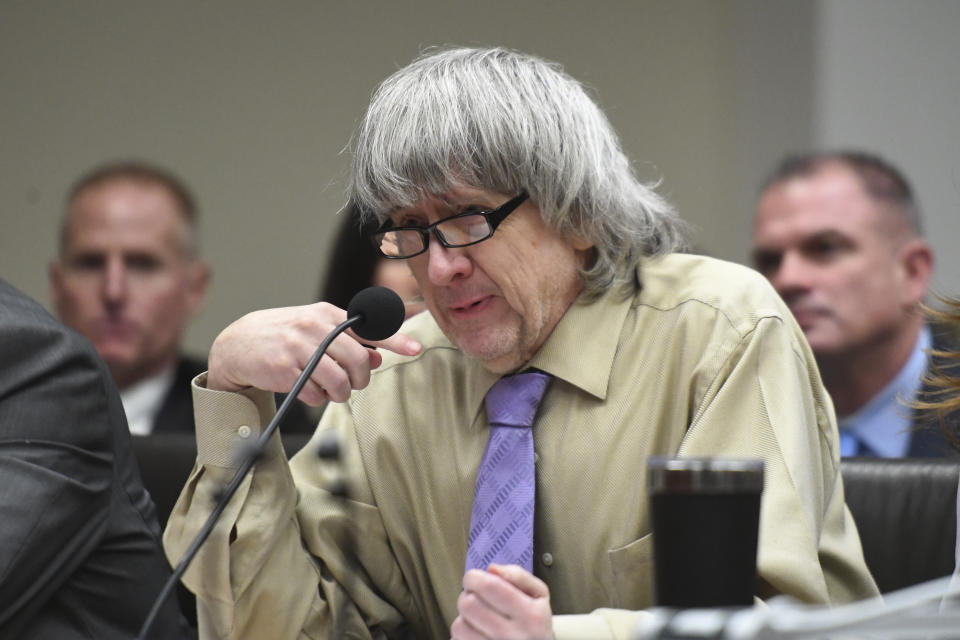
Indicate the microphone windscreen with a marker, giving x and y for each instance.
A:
(381, 310)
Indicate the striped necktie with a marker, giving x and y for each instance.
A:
(501, 524)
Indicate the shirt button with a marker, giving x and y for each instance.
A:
(536, 458)
(547, 559)
(244, 431)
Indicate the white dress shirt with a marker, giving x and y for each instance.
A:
(142, 401)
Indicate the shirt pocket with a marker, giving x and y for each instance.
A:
(632, 568)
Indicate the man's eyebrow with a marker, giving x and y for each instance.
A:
(85, 253)
(827, 235)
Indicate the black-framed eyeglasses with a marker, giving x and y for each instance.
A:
(459, 230)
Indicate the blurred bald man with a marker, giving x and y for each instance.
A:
(129, 279)
(839, 236)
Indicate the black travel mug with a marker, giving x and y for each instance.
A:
(705, 515)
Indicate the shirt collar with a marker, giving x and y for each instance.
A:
(141, 401)
(583, 345)
(883, 424)
(580, 350)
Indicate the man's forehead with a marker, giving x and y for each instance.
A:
(826, 183)
(136, 219)
(817, 203)
(123, 217)
(453, 197)
(118, 188)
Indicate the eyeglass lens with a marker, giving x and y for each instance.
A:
(455, 232)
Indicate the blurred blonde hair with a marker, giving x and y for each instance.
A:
(942, 395)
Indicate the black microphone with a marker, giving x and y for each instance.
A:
(380, 310)
(375, 313)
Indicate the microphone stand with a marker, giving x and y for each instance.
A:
(330, 450)
(248, 463)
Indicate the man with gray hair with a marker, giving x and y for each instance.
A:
(557, 300)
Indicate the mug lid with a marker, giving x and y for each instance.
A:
(704, 475)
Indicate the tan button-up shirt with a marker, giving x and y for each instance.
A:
(704, 360)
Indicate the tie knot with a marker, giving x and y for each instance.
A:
(513, 401)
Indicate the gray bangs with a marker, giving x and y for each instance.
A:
(459, 118)
(503, 121)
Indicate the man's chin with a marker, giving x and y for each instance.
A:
(819, 336)
(113, 351)
(826, 348)
(495, 345)
(495, 355)
(120, 363)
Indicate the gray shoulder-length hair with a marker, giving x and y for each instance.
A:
(505, 121)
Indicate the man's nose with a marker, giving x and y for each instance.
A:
(445, 264)
(114, 281)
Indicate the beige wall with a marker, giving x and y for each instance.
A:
(888, 78)
(254, 104)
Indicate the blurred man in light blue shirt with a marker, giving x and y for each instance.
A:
(839, 237)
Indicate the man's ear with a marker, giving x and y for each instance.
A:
(915, 264)
(579, 243)
(584, 249)
(198, 279)
(55, 283)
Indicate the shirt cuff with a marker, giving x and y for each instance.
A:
(229, 423)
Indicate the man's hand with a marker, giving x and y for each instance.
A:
(269, 350)
(503, 603)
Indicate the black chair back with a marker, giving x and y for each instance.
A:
(906, 512)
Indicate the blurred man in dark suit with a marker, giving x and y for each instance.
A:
(80, 549)
(130, 279)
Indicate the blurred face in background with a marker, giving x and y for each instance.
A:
(396, 275)
(126, 277)
(847, 265)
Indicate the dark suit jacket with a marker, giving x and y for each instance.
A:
(927, 439)
(176, 412)
(80, 552)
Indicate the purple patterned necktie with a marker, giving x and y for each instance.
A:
(501, 525)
